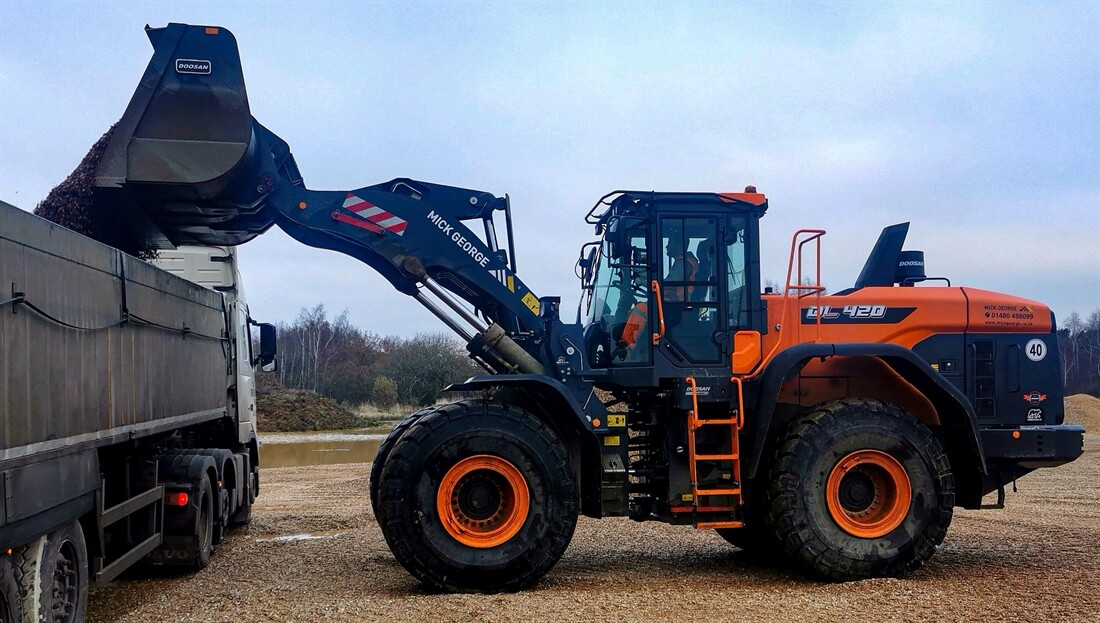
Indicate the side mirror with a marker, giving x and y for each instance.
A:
(617, 242)
(586, 263)
(268, 346)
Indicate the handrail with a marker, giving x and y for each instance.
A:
(740, 402)
(660, 313)
(692, 424)
(694, 400)
(816, 235)
(798, 287)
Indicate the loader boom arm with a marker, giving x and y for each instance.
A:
(188, 164)
(409, 231)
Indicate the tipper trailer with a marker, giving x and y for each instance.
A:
(127, 412)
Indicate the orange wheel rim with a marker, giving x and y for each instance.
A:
(868, 494)
(483, 501)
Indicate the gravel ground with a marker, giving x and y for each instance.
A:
(1037, 560)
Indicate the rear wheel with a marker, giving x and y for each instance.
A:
(221, 491)
(204, 527)
(859, 489)
(56, 589)
(9, 592)
(478, 496)
(757, 538)
(757, 541)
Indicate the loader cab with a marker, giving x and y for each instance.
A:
(674, 278)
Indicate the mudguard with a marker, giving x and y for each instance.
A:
(557, 405)
(953, 407)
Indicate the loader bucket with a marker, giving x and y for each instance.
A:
(183, 154)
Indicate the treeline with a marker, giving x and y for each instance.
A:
(1079, 346)
(348, 364)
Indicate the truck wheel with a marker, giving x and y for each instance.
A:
(859, 489)
(59, 580)
(10, 602)
(221, 494)
(478, 497)
(384, 452)
(243, 515)
(204, 527)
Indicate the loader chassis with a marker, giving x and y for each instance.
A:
(838, 430)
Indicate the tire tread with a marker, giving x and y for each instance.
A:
(815, 555)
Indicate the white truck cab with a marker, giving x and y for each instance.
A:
(216, 268)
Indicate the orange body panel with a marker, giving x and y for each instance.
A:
(746, 351)
(991, 312)
(935, 310)
(755, 199)
(884, 315)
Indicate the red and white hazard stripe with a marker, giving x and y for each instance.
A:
(370, 212)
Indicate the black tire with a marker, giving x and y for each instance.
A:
(243, 515)
(384, 449)
(222, 457)
(427, 457)
(756, 539)
(843, 440)
(11, 610)
(60, 579)
(204, 525)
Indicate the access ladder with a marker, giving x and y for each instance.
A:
(734, 424)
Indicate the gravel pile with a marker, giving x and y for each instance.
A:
(1084, 409)
(72, 204)
(280, 409)
(1034, 561)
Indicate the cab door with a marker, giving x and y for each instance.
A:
(744, 313)
(691, 283)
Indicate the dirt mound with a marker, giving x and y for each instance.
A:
(1084, 409)
(280, 409)
(72, 204)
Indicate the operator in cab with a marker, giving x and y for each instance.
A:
(683, 267)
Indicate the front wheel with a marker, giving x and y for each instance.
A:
(860, 489)
(478, 496)
(384, 449)
(243, 515)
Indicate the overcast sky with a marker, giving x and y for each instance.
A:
(978, 122)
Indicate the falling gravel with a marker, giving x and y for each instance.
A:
(72, 204)
(1036, 560)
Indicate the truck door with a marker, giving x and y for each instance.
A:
(246, 375)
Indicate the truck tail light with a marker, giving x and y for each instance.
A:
(178, 499)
